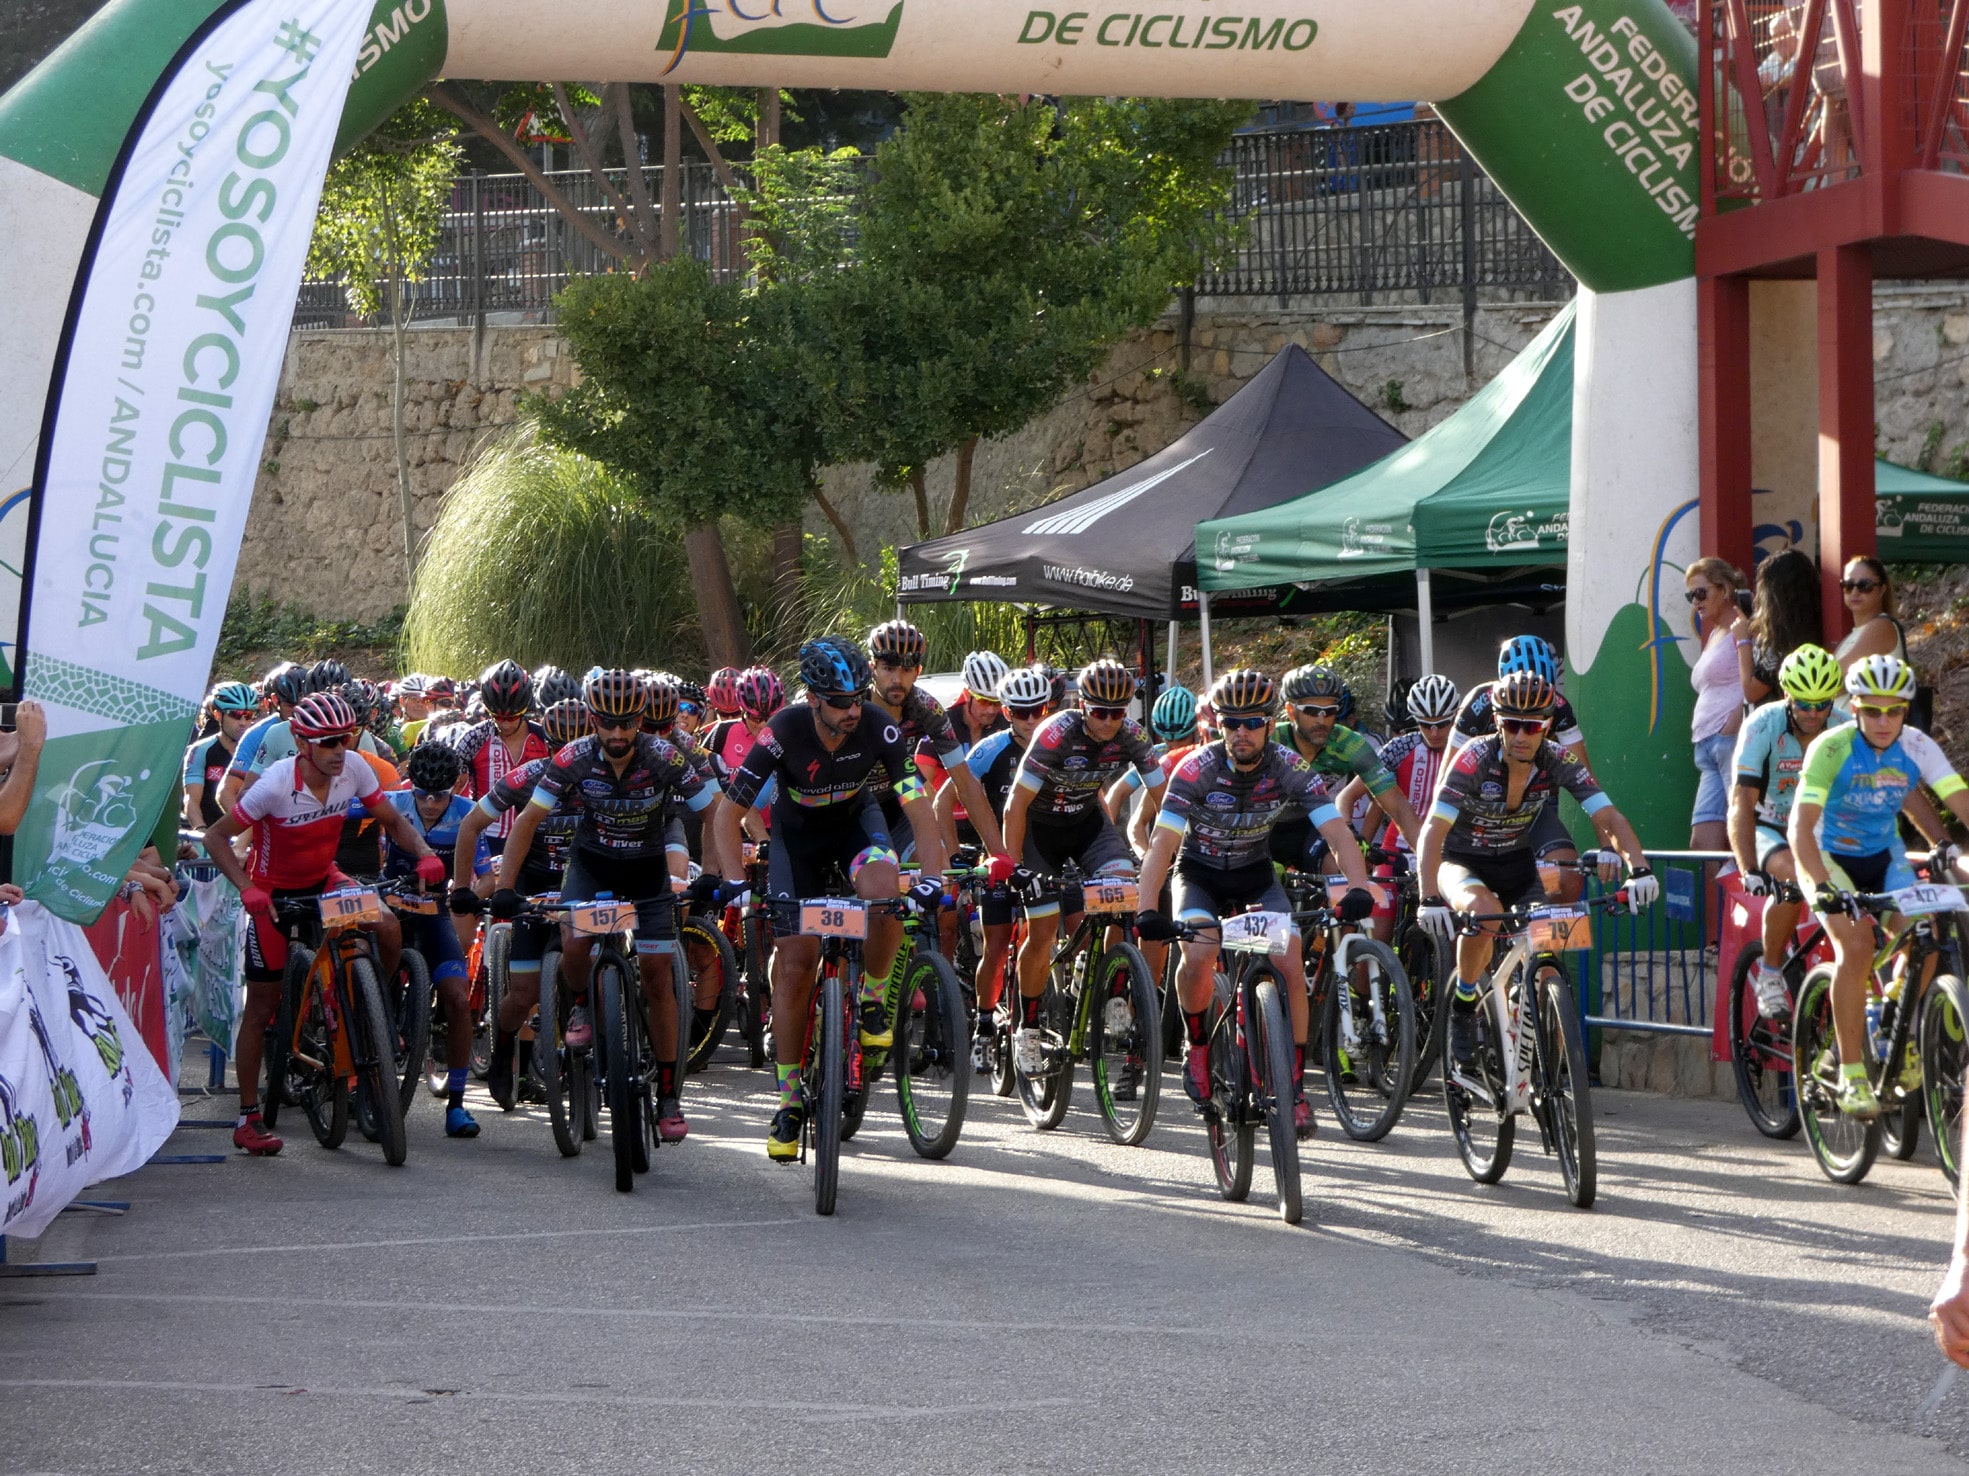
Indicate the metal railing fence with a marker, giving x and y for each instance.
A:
(1393, 212)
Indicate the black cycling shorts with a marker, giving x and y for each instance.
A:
(1202, 895)
(644, 881)
(1091, 843)
(1512, 877)
(800, 863)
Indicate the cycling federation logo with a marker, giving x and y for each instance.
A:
(831, 28)
(93, 811)
(1521, 532)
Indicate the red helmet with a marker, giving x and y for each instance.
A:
(320, 715)
(722, 691)
(759, 692)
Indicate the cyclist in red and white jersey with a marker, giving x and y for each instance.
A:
(503, 742)
(294, 813)
(1416, 759)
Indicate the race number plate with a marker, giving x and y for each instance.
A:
(1110, 894)
(1557, 929)
(600, 919)
(417, 904)
(749, 852)
(1930, 898)
(350, 906)
(1258, 932)
(834, 917)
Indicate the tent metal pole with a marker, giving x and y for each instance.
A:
(1203, 621)
(1173, 625)
(1425, 619)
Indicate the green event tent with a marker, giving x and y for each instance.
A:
(1919, 518)
(1488, 489)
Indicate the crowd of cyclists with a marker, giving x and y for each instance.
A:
(983, 819)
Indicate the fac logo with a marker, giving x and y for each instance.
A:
(92, 1019)
(62, 1085)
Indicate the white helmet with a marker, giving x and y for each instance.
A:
(983, 671)
(1029, 686)
(1433, 699)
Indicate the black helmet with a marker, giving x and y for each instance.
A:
(433, 766)
(833, 667)
(506, 689)
(552, 685)
(327, 674)
(1242, 692)
(1303, 683)
(289, 682)
(363, 697)
(660, 694)
(897, 642)
(565, 721)
(613, 694)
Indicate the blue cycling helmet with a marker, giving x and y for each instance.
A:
(832, 667)
(1529, 653)
(235, 697)
(1174, 714)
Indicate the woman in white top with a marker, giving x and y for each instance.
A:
(1722, 627)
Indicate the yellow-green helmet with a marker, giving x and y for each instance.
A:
(1880, 677)
(1811, 674)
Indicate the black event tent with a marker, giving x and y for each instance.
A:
(1127, 546)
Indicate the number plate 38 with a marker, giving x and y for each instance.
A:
(834, 917)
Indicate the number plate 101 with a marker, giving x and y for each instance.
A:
(599, 919)
(834, 917)
(1108, 896)
(350, 906)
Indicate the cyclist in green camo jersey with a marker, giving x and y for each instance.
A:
(1314, 698)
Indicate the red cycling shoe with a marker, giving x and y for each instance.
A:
(252, 1135)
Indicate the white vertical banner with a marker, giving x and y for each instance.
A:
(80, 1098)
(162, 393)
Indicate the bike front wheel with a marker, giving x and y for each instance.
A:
(1484, 1134)
(1844, 1146)
(1046, 1093)
(496, 956)
(622, 1087)
(713, 966)
(1271, 1069)
(1127, 1044)
(1760, 1054)
(1228, 1120)
(377, 1074)
(826, 1096)
(932, 1055)
(410, 1007)
(1368, 1029)
(1563, 1086)
(553, 1062)
(278, 1040)
(1427, 979)
(1944, 1023)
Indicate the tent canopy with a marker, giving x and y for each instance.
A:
(1487, 489)
(1127, 545)
(1918, 517)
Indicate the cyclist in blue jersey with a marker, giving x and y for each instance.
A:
(207, 761)
(435, 811)
(1769, 758)
(1845, 834)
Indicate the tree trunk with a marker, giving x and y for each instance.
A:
(960, 495)
(789, 543)
(840, 527)
(673, 171)
(916, 485)
(725, 640)
(591, 156)
(648, 231)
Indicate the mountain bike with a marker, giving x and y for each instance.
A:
(832, 1066)
(1916, 1051)
(332, 1036)
(1250, 1045)
(565, 1075)
(715, 985)
(1427, 967)
(1531, 1055)
(1101, 1006)
(1363, 1010)
(1760, 1048)
(746, 924)
(411, 998)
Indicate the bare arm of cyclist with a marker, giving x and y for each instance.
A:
(1614, 831)
(519, 841)
(1016, 804)
(1743, 825)
(1346, 849)
(218, 845)
(945, 805)
(1350, 796)
(977, 806)
(397, 826)
(1429, 854)
(1155, 865)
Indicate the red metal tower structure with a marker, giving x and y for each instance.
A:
(1836, 143)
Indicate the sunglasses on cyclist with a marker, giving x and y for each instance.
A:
(977, 701)
(1253, 724)
(1859, 586)
(1027, 714)
(1323, 710)
(1886, 710)
(841, 701)
(616, 724)
(332, 740)
(426, 794)
(1107, 714)
(1798, 706)
(1523, 725)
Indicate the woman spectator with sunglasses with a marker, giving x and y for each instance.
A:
(1723, 629)
(1869, 597)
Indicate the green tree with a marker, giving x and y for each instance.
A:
(382, 205)
(1003, 248)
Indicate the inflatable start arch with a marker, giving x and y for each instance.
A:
(161, 172)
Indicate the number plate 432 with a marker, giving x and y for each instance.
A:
(834, 917)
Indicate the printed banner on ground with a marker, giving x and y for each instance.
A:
(162, 393)
(81, 1100)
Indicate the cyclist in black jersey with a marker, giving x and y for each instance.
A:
(618, 784)
(1479, 852)
(685, 828)
(896, 648)
(1070, 784)
(818, 767)
(1215, 827)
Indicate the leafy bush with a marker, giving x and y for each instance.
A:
(266, 624)
(540, 554)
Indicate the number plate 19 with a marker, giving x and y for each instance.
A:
(834, 917)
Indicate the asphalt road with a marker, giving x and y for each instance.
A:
(1035, 1303)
